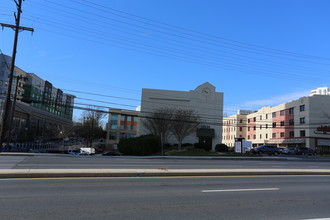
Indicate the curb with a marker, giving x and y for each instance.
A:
(67, 173)
(278, 158)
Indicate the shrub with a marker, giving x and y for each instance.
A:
(206, 147)
(140, 146)
(221, 148)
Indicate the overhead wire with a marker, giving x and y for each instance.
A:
(198, 60)
(163, 32)
(205, 35)
(235, 68)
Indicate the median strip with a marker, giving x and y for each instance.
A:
(44, 173)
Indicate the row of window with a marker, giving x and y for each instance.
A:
(113, 135)
(282, 113)
(291, 122)
(274, 125)
(282, 135)
(123, 127)
(114, 117)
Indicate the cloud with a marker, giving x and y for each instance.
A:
(277, 100)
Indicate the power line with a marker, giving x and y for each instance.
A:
(162, 32)
(200, 34)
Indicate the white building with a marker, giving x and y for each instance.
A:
(321, 91)
(300, 123)
(207, 103)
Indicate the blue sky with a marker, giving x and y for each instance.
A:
(259, 53)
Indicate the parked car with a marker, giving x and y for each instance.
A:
(290, 151)
(266, 149)
(282, 149)
(111, 153)
(304, 151)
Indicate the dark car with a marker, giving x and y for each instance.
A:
(266, 149)
(304, 151)
(111, 153)
(290, 151)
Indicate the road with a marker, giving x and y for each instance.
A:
(289, 197)
(95, 162)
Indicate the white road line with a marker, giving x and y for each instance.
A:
(239, 190)
(317, 219)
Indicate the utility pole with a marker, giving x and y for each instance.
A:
(6, 120)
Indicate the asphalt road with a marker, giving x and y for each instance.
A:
(94, 162)
(303, 197)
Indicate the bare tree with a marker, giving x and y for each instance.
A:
(158, 123)
(184, 123)
(92, 119)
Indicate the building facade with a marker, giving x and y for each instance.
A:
(204, 100)
(122, 124)
(300, 123)
(40, 109)
(234, 127)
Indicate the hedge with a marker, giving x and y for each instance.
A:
(141, 146)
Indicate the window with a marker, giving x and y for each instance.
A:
(248, 120)
(129, 118)
(122, 118)
(248, 136)
(254, 136)
(282, 123)
(254, 119)
(260, 136)
(122, 127)
(113, 124)
(291, 133)
(274, 124)
(266, 126)
(302, 120)
(302, 133)
(291, 122)
(266, 136)
(240, 129)
(282, 112)
(240, 121)
(254, 128)
(302, 108)
(114, 117)
(136, 118)
(274, 114)
(113, 135)
(291, 111)
(134, 128)
(260, 127)
(260, 117)
(248, 128)
(266, 116)
(274, 135)
(282, 134)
